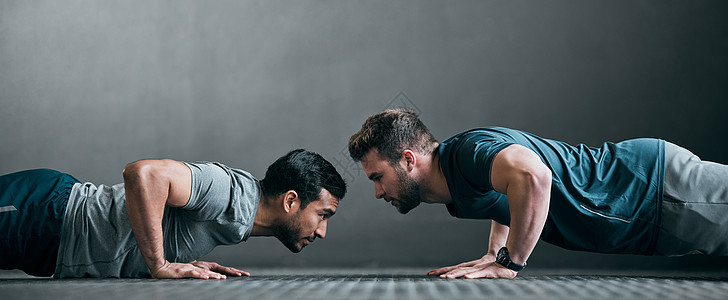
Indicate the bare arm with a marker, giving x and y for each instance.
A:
(498, 237)
(150, 185)
(524, 178)
(520, 174)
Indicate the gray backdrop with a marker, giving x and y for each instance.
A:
(88, 86)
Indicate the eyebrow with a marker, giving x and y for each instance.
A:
(329, 211)
(371, 176)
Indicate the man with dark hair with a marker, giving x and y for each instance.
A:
(163, 217)
(640, 196)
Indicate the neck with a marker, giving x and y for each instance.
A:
(434, 182)
(264, 219)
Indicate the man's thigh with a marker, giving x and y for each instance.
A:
(694, 206)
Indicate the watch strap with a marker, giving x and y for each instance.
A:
(504, 259)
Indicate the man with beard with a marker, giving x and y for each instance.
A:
(163, 217)
(640, 196)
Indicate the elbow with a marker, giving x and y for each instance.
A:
(542, 177)
(538, 182)
(535, 176)
(541, 183)
(136, 172)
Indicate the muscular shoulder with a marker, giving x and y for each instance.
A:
(156, 172)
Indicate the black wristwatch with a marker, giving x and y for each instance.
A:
(504, 260)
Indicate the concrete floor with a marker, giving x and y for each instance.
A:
(378, 284)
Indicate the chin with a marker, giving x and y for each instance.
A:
(295, 249)
(405, 210)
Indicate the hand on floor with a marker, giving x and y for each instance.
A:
(197, 269)
(484, 267)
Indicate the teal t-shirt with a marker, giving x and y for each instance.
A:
(604, 199)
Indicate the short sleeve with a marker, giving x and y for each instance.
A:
(467, 161)
(211, 193)
(474, 157)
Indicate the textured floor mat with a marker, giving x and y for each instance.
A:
(372, 286)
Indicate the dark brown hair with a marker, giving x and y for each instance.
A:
(391, 132)
(306, 173)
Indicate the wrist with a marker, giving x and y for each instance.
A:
(503, 258)
(157, 265)
(493, 250)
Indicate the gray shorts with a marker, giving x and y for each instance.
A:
(694, 205)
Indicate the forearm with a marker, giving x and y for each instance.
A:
(146, 195)
(498, 237)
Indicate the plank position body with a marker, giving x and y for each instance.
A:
(640, 196)
(165, 216)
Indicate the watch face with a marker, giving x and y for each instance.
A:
(505, 260)
(502, 255)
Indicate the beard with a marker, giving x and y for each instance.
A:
(289, 233)
(409, 192)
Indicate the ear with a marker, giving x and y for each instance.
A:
(409, 159)
(291, 202)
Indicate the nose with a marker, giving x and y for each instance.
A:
(321, 230)
(378, 191)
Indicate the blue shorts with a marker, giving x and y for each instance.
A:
(32, 206)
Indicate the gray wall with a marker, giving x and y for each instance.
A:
(88, 86)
